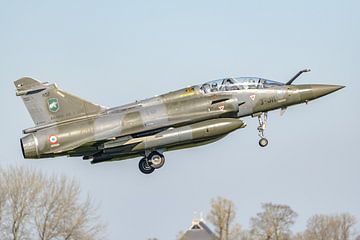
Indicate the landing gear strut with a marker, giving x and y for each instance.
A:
(263, 142)
(153, 160)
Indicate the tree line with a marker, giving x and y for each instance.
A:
(274, 222)
(36, 206)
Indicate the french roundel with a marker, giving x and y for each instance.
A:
(53, 139)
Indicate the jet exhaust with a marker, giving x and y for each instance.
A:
(29, 146)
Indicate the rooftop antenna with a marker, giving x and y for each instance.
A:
(195, 217)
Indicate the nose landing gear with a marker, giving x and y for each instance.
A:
(263, 142)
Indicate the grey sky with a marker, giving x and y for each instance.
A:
(115, 52)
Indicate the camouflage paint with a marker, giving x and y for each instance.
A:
(68, 125)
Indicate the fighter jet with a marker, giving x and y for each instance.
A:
(66, 125)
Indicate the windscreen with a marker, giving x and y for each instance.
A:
(240, 83)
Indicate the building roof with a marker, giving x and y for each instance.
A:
(198, 231)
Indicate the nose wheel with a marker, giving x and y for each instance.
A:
(263, 142)
(153, 160)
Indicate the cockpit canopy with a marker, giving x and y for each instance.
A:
(239, 83)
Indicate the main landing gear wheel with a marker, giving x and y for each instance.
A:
(156, 160)
(263, 142)
(145, 167)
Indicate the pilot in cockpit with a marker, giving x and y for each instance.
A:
(214, 87)
(229, 85)
(206, 88)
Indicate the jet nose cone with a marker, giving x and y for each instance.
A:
(322, 90)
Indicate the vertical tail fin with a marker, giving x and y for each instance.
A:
(48, 104)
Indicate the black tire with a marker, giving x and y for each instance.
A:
(144, 167)
(263, 142)
(159, 157)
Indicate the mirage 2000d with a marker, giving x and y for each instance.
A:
(189, 117)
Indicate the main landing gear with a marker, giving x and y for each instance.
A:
(263, 142)
(151, 161)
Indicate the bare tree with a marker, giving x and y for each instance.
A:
(59, 214)
(347, 222)
(22, 186)
(3, 197)
(46, 208)
(335, 227)
(273, 223)
(222, 215)
(47, 218)
(246, 235)
(299, 236)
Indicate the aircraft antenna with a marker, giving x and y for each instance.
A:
(296, 76)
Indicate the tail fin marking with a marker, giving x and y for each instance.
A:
(48, 104)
